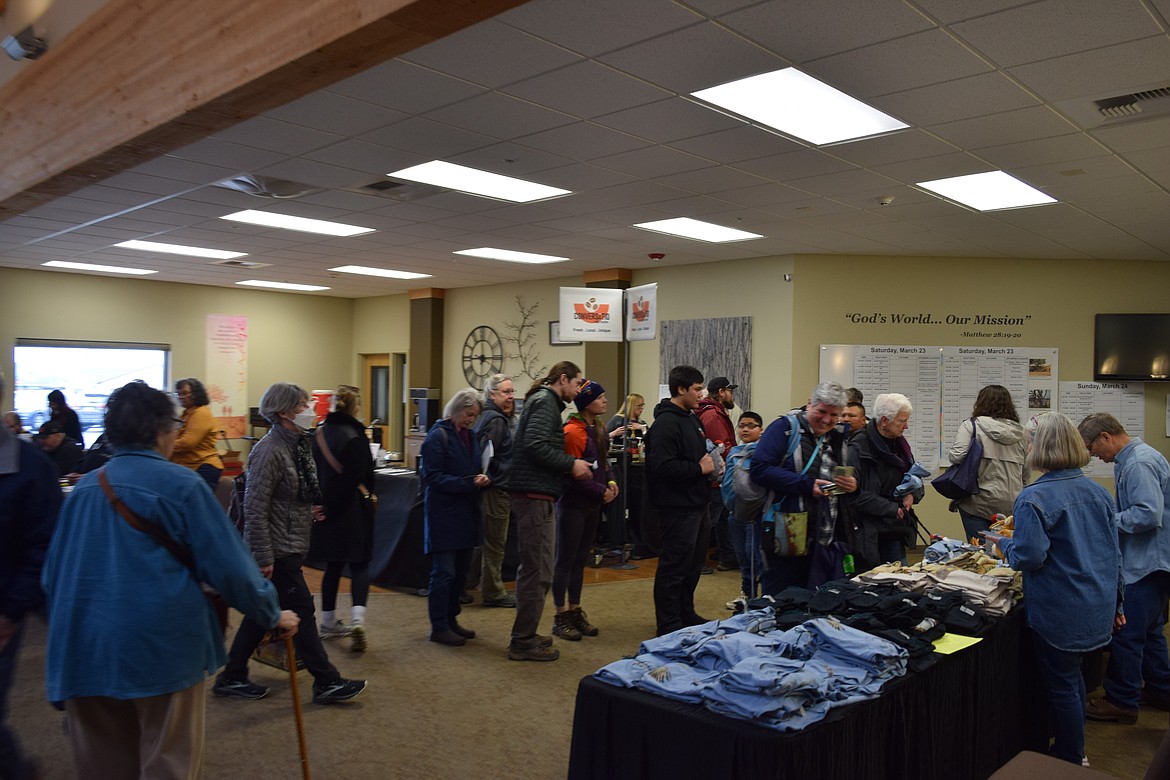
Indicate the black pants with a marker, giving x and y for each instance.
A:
(684, 547)
(293, 594)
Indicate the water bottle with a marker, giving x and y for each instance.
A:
(848, 565)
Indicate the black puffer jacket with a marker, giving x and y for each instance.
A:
(874, 508)
(539, 459)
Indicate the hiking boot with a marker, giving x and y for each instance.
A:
(531, 649)
(466, 598)
(564, 627)
(358, 638)
(581, 621)
(338, 630)
(239, 688)
(725, 566)
(545, 641)
(448, 637)
(341, 690)
(738, 604)
(466, 633)
(1104, 710)
(507, 602)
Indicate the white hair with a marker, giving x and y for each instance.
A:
(888, 405)
(464, 399)
(828, 393)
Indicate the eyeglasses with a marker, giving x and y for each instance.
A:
(747, 425)
(1089, 444)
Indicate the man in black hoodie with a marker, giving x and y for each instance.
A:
(677, 465)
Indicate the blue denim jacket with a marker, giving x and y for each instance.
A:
(1143, 497)
(1066, 545)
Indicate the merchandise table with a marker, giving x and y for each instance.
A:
(398, 558)
(961, 719)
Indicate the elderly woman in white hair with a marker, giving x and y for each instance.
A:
(452, 473)
(881, 457)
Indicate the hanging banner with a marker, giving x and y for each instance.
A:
(226, 378)
(591, 314)
(642, 312)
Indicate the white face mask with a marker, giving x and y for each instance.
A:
(306, 419)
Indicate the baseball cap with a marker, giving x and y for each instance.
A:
(49, 428)
(719, 383)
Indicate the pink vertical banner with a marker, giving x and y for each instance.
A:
(226, 377)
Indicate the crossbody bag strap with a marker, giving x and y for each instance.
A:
(333, 462)
(149, 527)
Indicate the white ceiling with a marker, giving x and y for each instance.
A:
(590, 95)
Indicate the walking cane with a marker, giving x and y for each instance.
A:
(296, 696)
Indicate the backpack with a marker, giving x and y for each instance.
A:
(737, 481)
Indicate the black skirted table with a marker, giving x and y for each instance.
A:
(960, 719)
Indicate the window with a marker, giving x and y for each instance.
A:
(86, 372)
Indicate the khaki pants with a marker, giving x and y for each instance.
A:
(160, 737)
(497, 508)
(536, 536)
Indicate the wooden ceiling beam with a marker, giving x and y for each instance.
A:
(137, 80)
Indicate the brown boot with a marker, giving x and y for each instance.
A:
(565, 627)
(581, 622)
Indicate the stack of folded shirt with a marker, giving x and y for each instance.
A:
(992, 593)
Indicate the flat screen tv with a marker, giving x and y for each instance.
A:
(1132, 347)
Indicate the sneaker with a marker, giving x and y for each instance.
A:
(241, 689)
(564, 627)
(581, 621)
(531, 650)
(466, 633)
(507, 602)
(738, 603)
(336, 631)
(341, 690)
(1104, 710)
(448, 637)
(724, 566)
(465, 598)
(358, 634)
(706, 570)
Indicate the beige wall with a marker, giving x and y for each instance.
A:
(381, 325)
(305, 339)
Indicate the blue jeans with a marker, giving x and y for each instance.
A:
(1061, 672)
(779, 573)
(12, 761)
(973, 524)
(448, 573)
(1138, 651)
(210, 475)
(745, 539)
(891, 548)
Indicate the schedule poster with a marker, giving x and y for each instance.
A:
(1124, 400)
(226, 378)
(1028, 373)
(912, 371)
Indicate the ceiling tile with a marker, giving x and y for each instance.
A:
(909, 144)
(973, 96)
(590, 28)
(405, 87)
(500, 115)
(228, 155)
(331, 112)
(653, 161)
(802, 30)
(1136, 136)
(794, 165)
(744, 142)
(669, 120)
(947, 11)
(583, 141)
(929, 57)
(430, 139)
(475, 54)
(1025, 153)
(586, 90)
(1055, 28)
(1023, 124)
(1116, 70)
(713, 56)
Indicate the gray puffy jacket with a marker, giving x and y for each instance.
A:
(276, 522)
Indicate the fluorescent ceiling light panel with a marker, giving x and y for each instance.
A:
(476, 182)
(988, 191)
(270, 219)
(509, 255)
(797, 104)
(177, 249)
(105, 269)
(386, 272)
(700, 231)
(282, 285)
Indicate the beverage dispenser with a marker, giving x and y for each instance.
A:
(424, 408)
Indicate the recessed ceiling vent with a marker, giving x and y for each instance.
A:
(240, 263)
(386, 187)
(1133, 104)
(1136, 106)
(265, 187)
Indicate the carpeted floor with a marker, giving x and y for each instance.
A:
(439, 712)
